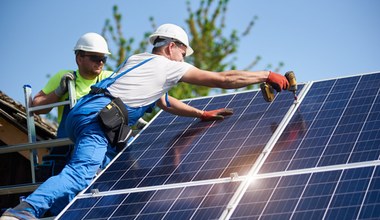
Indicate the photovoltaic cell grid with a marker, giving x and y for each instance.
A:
(343, 111)
(197, 202)
(338, 122)
(178, 149)
(340, 194)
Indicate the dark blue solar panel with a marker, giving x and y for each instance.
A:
(178, 149)
(326, 195)
(336, 123)
(197, 202)
(370, 208)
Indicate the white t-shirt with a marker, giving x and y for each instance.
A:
(148, 82)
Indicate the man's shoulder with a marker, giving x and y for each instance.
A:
(54, 81)
(105, 74)
(142, 56)
(57, 76)
(62, 72)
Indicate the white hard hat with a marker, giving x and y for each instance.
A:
(172, 31)
(92, 42)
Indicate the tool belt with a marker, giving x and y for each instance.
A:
(113, 119)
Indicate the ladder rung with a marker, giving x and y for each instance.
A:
(6, 190)
(40, 144)
(36, 108)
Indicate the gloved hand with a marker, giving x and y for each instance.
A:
(277, 81)
(217, 114)
(63, 85)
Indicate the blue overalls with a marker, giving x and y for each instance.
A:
(92, 150)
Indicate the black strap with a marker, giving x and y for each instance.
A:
(96, 90)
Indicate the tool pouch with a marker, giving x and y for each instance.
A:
(113, 119)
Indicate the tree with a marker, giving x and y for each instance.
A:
(208, 37)
(124, 45)
(215, 49)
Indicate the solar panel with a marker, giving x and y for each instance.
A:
(336, 123)
(337, 194)
(317, 158)
(187, 150)
(198, 202)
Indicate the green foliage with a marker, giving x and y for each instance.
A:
(114, 33)
(213, 46)
(215, 49)
(207, 35)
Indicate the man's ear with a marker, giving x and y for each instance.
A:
(78, 58)
(169, 47)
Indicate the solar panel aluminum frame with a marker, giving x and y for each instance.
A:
(318, 169)
(162, 187)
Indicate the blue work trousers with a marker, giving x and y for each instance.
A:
(92, 151)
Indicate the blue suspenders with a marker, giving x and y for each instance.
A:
(104, 84)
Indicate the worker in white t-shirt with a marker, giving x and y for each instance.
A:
(118, 101)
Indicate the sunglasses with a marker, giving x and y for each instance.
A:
(96, 59)
(182, 46)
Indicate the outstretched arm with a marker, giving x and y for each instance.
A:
(233, 79)
(177, 107)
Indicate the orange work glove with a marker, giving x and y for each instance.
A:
(217, 114)
(277, 81)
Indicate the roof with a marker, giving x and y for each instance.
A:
(13, 113)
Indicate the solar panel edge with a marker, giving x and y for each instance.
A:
(96, 193)
(319, 169)
(346, 76)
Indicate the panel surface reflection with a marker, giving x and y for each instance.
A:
(179, 149)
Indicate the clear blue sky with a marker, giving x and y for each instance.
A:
(317, 39)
